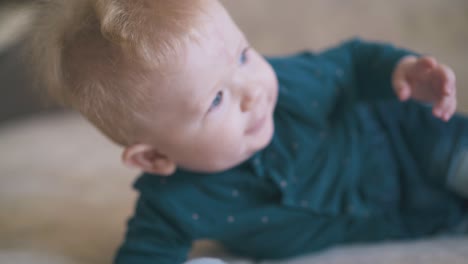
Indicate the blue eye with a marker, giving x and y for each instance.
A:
(217, 101)
(244, 58)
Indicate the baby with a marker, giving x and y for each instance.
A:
(271, 157)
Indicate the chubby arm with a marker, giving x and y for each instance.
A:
(153, 237)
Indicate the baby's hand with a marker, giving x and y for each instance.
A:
(426, 80)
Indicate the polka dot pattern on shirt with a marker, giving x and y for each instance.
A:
(195, 216)
(284, 184)
(339, 72)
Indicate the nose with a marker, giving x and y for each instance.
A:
(250, 98)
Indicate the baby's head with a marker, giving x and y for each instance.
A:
(174, 82)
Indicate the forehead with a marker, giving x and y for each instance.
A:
(206, 60)
(218, 42)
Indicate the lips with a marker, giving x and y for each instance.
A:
(261, 120)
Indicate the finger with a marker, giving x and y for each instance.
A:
(445, 108)
(427, 62)
(424, 65)
(437, 81)
(423, 70)
(448, 79)
(439, 107)
(451, 111)
(403, 90)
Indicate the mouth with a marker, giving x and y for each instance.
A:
(261, 121)
(257, 125)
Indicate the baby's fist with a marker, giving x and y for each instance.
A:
(426, 80)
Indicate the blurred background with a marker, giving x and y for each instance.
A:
(65, 197)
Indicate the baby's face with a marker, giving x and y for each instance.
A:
(217, 109)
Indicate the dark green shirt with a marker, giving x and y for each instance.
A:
(330, 175)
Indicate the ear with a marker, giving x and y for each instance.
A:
(148, 159)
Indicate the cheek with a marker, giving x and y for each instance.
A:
(271, 82)
(226, 136)
(265, 73)
(269, 74)
(216, 150)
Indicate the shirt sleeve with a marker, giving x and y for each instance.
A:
(371, 65)
(153, 237)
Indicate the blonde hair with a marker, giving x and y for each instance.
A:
(95, 55)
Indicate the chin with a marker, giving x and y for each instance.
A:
(265, 137)
(270, 133)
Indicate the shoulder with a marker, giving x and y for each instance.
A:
(186, 186)
(289, 62)
(311, 57)
(164, 187)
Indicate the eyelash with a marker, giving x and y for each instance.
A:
(244, 59)
(217, 101)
